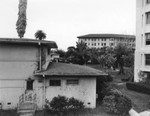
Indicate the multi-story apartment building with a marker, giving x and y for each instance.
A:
(142, 52)
(103, 40)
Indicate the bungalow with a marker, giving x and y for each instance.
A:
(27, 75)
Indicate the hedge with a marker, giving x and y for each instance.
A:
(138, 87)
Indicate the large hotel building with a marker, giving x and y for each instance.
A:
(142, 52)
(104, 40)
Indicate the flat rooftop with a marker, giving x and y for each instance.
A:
(51, 44)
(106, 36)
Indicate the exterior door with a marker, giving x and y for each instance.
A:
(29, 85)
(30, 96)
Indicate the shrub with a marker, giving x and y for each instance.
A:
(101, 89)
(75, 104)
(108, 78)
(115, 102)
(139, 87)
(59, 103)
(62, 104)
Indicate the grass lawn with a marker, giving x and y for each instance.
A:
(139, 100)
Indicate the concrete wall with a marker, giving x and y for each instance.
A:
(17, 64)
(84, 91)
(141, 29)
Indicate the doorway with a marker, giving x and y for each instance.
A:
(29, 85)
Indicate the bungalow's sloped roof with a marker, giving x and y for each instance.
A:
(51, 44)
(106, 36)
(64, 69)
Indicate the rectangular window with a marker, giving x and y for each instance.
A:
(72, 82)
(147, 1)
(148, 18)
(55, 83)
(147, 59)
(147, 37)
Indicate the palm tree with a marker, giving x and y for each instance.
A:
(78, 54)
(81, 52)
(40, 35)
(21, 22)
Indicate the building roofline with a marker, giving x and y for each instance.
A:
(51, 44)
(106, 36)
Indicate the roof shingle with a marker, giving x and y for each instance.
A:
(64, 69)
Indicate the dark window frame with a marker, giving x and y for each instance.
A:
(147, 17)
(147, 38)
(72, 81)
(147, 1)
(55, 82)
(147, 59)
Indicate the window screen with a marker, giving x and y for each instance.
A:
(55, 83)
(72, 82)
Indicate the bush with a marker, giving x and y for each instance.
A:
(115, 102)
(75, 104)
(139, 87)
(62, 104)
(101, 89)
(59, 103)
(108, 78)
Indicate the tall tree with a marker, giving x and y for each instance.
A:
(40, 35)
(120, 51)
(21, 22)
(78, 54)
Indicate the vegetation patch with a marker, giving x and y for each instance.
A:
(115, 102)
(139, 87)
(62, 104)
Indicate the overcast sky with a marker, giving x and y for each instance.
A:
(64, 20)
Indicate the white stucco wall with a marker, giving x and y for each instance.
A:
(141, 29)
(17, 64)
(84, 91)
(10, 90)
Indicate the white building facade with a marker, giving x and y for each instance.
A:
(142, 52)
(105, 40)
(27, 76)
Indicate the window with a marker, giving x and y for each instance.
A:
(48, 51)
(54, 82)
(29, 84)
(147, 59)
(94, 44)
(72, 82)
(147, 1)
(147, 37)
(148, 18)
(102, 44)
